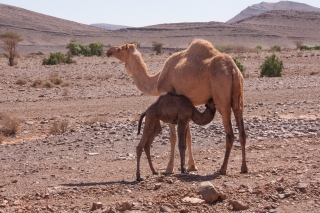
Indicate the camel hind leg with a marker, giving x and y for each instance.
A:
(157, 130)
(242, 138)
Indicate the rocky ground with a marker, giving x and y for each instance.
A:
(93, 164)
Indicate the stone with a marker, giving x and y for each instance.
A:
(208, 192)
(96, 205)
(193, 200)
(112, 210)
(238, 205)
(126, 206)
(302, 187)
(157, 186)
(165, 208)
(93, 153)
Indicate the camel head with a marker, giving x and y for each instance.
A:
(121, 52)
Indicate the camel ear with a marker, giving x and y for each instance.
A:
(127, 47)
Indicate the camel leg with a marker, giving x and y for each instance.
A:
(242, 138)
(226, 119)
(182, 134)
(173, 138)
(157, 130)
(191, 164)
(147, 132)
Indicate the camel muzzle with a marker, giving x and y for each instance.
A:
(109, 54)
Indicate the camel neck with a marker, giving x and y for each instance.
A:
(146, 83)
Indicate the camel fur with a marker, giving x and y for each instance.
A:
(174, 109)
(200, 72)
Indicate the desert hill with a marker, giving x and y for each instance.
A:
(109, 26)
(47, 34)
(257, 9)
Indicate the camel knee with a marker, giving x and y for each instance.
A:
(182, 146)
(230, 138)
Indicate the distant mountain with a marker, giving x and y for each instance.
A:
(109, 26)
(257, 9)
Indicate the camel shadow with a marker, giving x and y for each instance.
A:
(123, 182)
(190, 177)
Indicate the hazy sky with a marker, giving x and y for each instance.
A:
(138, 13)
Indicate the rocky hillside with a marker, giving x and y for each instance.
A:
(257, 9)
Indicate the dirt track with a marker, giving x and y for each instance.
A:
(96, 161)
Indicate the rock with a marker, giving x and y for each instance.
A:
(302, 187)
(193, 200)
(208, 192)
(112, 210)
(95, 206)
(126, 206)
(157, 186)
(166, 208)
(93, 153)
(238, 205)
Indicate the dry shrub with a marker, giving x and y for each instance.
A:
(21, 81)
(48, 84)
(96, 119)
(59, 127)
(88, 77)
(9, 126)
(65, 84)
(37, 83)
(55, 79)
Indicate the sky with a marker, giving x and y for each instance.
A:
(139, 13)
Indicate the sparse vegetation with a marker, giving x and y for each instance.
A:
(298, 44)
(9, 126)
(10, 41)
(276, 48)
(21, 81)
(271, 67)
(48, 84)
(157, 47)
(59, 127)
(55, 79)
(57, 58)
(239, 65)
(95, 48)
(304, 47)
(233, 49)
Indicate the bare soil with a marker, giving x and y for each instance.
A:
(94, 161)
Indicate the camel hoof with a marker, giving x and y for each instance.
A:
(184, 172)
(223, 172)
(244, 169)
(139, 179)
(192, 168)
(168, 171)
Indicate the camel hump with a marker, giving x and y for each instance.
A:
(201, 48)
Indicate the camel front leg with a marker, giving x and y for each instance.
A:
(191, 164)
(173, 139)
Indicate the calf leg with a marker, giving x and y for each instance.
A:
(173, 138)
(157, 130)
(191, 164)
(182, 134)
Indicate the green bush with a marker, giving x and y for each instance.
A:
(259, 48)
(96, 48)
(305, 47)
(276, 48)
(74, 48)
(239, 65)
(157, 46)
(271, 67)
(57, 58)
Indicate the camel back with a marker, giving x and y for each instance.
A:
(202, 49)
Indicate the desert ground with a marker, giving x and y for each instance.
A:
(93, 162)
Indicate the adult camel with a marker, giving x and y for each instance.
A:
(200, 72)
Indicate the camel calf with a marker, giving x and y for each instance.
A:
(174, 109)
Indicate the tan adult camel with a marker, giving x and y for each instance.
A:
(200, 72)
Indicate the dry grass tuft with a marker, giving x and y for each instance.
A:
(37, 83)
(65, 84)
(48, 84)
(96, 119)
(59, 127)
(21, 81)
(8, 126)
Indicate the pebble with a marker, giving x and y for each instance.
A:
(238, 205)
(193, 201)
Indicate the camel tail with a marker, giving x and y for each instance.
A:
(237, 89)
(140, 121)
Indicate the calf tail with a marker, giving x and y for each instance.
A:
(140, 121)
